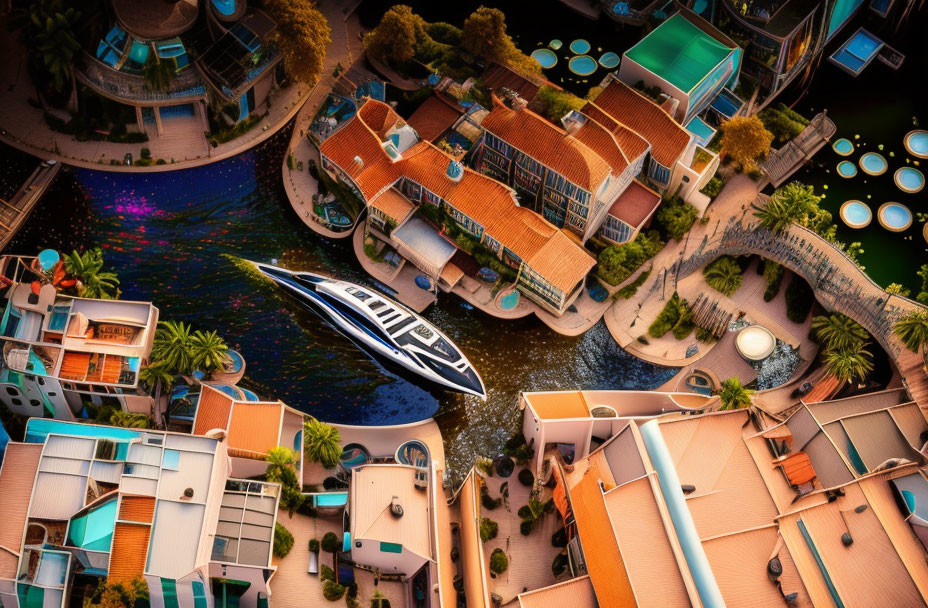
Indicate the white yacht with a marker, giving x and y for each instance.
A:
(383, 327)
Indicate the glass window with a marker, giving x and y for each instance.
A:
(169, 593)
(391, 548)
(171, 460)
(199, 594)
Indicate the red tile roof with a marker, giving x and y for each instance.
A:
(255, 427)
(129, 553)
(498, 76)
(636, 204)
(434, 116)
(17, 476)
(551, 146)
(629, 107)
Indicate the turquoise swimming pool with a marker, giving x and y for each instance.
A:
(895, 217)
(545, 57)
(703, 132)
(330, 499)
(510, 300)
(847, 169)
(873, 163)
(916, 143)
(843, 146)
(609, 60)
(37, 429)
(909, 179)
(856, 214)
(580, 46)
(582, 65)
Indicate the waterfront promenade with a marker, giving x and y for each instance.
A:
(839, 284)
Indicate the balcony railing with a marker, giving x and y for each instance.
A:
(187, 85)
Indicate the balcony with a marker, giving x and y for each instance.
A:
(186, 87)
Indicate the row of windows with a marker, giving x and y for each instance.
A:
(529, 164)
(561, 184)
(616, 230)
(658, 172)
(530, 279)
(464, 221)
(526, 180)
(498, 145)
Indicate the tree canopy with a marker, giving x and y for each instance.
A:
(794, 203)
(396, 35)
(484, 34)
(302, 36)
(745, 139)
(912, 329)
(733, 394)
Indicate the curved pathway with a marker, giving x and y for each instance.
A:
(839, 283)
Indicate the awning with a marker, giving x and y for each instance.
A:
(418, 242)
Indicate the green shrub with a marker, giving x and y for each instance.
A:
(314, 545)
(488, 529)
(332, 591)
(353, 590)
(499, 563)
(555, 103)
(526, 478)
(444, 33)
(326, 573)
(676, 217)
(487, 501)
(559, 538)
(773, 276)
(783, 122)
(799, 299)
(559, 565)
(724, 275)
(330, 543)
(632, 288)
(524, 512)
(713, 187)
(525, 527)
(283, 541)
(617, 262)
(145, 153)
(675, 317)
(704, 335)
(290, 160)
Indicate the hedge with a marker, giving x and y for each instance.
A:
(333, 591)
(283, 541)
(799, 300)
(499, 563)
(488, 529)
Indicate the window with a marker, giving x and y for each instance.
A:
(169, 593)
(171, 460)
(391, 548)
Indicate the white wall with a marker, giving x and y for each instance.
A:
(369, 554)
(631, 72)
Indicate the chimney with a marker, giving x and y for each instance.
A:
(359, 162)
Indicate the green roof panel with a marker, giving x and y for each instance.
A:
(679, 52)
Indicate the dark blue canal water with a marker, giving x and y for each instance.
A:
(174, 238)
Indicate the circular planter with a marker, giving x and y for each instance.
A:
(916, 143)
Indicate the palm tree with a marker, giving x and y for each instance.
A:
(281, 469)
(733, 394)
(322, 442)
(774, 216)
(912, 329)
(158, 74)
(92, 281)
(173, 347)
(724, 275)
(837, 331)
(279, 458)
(156, 377)
(209, 350)
(848, 364)
(130, 421)
(793, 203)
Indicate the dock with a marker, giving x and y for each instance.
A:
(14, 212)
(785, 161)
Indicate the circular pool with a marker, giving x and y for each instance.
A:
(847, 169)
(580, 46)
(755, 343)
(555, 44)
(582, 65)
(856, 214)
(873, 163)
(916, 142)
(894, 217)
(545, 57)
(909, 179)
(843, 146)
(609, 60)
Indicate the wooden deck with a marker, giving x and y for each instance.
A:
(13, 213)
(782, 163)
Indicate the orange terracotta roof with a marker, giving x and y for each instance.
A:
(633, 144)
(255, 426)
(213, 411)
(600, 549)
(629, 107)
(636, 204)
(392, 204)
(599, 139)
(137, 508)
(434, 116)
(379, 116)
(549, 145)
(129, 553)
(17, 475)
(798, 468)
(576, 593)
(558, 405)
(491, 204)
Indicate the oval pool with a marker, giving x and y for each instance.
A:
(873, 163)
(916, 143)
(580, 46)
(555, 44)
(895, 217)
(609, 60)
(856, 214)
(582, 65)
(909, 179)
(847, 169)
(843, 146)
(545, 57)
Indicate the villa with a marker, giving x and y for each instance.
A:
(64, 356)
(85, 503)
(809, 505)
(221, 60)
(378, 156)
(690, 61)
